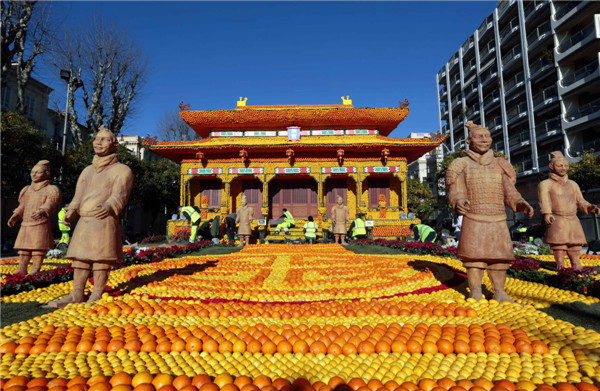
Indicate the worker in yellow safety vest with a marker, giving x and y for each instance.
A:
(287, 223)
(423, 233)
(359, 229)
(64, 229)
(310, 230)
(192, 214)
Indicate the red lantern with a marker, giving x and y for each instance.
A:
(290, 154)
(200, 155)
(243, 154)
(340, 155)
(385, 153)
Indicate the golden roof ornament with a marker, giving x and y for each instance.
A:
(242, 101)
(347, 101)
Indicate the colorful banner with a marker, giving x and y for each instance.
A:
(362, 131)
(382, 169)
(205, 171)
(338, 170)
(226, 134)
(330, 132)
(292, 170)
(261, 133)
(243, 170)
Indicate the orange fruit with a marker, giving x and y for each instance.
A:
(427, 384)
(141, 378)
(510, 386)
(230, 387)
(120, 387)
(8, 347)
(446, 383)
(583, 386)
(144, 387)
(262, 381)
(100, 386)
(223, 379)
(199, 380)
(356, 383)
(562, 386)
(121, 378)
(181, 381)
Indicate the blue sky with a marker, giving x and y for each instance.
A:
(208, 54)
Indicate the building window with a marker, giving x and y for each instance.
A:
(29, 106)
(6, 97)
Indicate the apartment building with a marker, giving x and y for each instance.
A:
(530, 74)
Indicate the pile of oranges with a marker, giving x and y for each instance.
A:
(299, 318)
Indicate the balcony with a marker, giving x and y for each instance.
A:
(545, 97)
(514, 82)
(520, 139)
(458, 122)
(538, 35)
(498, 146)
(485, 26)
(454, 102)
(487, 50)
(509, 29)
(455, 82)
(443, 90)
(534, 6)
(445, 128)
(517, 112)
(577, 150)
(580, 76)
(468, 45)
(473, 111)
(489, 75)
(492, 98)
(547, 129)
(470, 67)
(510, 57)
(524, 166)
(442, 73)
(495, 124)
(538, 67)
(444, 111)
(543, 160)
(470, 90)
(584, 110)
(576, 38)
(503, 6)
(562, 11)
(453, 60)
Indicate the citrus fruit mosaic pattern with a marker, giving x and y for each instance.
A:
(299, 318)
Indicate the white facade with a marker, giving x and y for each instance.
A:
(135, 146)
(425, 167)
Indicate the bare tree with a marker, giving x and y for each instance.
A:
(26, 33)
(112, 69)
(172, 128)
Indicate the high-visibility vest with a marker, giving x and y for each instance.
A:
(289, 219)
(61, 215)
(190, 213)
(359, 228)
(311, 229)
(425, 230)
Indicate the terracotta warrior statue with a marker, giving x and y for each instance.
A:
(339, 216)
(101, 194)
(559, 199)
(36, 203)
(245, 215)
(479, 186)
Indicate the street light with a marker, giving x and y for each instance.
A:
(66, 76)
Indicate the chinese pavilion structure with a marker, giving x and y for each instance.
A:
(299, 158)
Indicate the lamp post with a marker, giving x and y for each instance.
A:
(66, 76)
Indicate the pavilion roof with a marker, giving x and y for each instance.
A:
(177, 151)
(307, 117)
